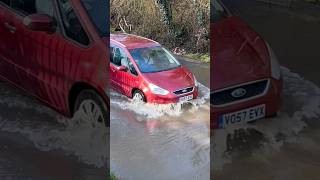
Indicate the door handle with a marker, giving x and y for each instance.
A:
(10, 28)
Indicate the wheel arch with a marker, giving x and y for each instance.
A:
(76, 89)
(134, 89)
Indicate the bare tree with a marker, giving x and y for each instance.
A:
(202, 29)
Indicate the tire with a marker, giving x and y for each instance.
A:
(87, 102)
(141, 97)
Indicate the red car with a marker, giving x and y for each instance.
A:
(56, 51)
(144, 70)
(246, 80)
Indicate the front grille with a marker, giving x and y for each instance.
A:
(183, 91)
(224, 97)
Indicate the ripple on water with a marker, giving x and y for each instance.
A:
(172, 139)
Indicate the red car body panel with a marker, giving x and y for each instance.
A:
(240, 55)
(170, 80)
(48, 66)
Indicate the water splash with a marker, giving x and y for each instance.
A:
(152, 111)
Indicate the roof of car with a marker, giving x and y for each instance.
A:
(131, 41)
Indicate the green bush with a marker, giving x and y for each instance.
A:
(113, 177)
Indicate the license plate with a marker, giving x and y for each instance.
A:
(242, 116)
(186, 98)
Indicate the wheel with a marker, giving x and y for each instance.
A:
(92, 109)
(138, 96)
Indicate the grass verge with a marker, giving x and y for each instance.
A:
(113, 177)
(198, 57)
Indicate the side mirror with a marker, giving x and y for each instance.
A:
(40, 22)
(122, 68)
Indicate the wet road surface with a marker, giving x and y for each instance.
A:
(38, 143)
(161, 142)
(287, 146)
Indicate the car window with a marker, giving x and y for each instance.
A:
(99, 14)
(7, 2)
(28, 7)
(72, 26)
(154, 59)
(118, 56)
(131, 68)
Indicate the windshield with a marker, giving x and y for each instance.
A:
(217, 11)
(99, 14)
(154, 59)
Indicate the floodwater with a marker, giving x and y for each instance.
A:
(38, 143)
(161, 142)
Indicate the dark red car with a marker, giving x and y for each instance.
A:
(56, 51)
(246, 83)
(144, 70)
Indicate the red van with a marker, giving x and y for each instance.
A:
(246, 81)
(144, 70)
(56, 51)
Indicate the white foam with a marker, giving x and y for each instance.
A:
(152, 111)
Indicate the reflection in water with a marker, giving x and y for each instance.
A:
(301, 101)
(160, 141)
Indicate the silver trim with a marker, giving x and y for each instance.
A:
(184, 93)
(242, 100)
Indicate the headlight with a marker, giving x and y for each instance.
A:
(157, 90)
(195, 81)
(274, 64)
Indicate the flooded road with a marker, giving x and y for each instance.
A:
(38, 143)
(161, 142)
(286, 146)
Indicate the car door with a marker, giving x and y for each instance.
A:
(29, 42)
(61, 55)
(113, 68)
(9, 45)
(128, 79)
